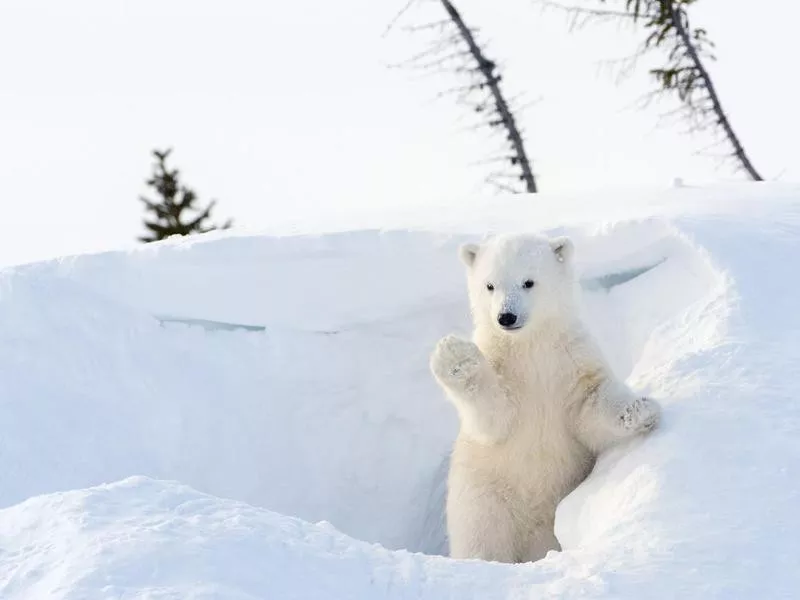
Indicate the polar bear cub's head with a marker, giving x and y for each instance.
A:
(517, 282)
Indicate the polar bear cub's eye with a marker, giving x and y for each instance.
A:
(490, 287)
(527, 284)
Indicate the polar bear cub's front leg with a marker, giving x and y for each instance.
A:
(611, 413)
(484, 408)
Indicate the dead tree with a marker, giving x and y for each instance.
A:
(684, 74)
(456, 49)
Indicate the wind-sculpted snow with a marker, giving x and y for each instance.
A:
(322, 409)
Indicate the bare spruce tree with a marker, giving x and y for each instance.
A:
(175, 212)
(456, 49)
(684, 73)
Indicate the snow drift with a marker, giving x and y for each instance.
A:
(321, 409)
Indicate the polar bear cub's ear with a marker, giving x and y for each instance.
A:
(563, 248)
(468, 253)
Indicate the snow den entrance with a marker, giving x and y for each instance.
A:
(323, 407)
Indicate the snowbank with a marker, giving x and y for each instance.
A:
(328, 413)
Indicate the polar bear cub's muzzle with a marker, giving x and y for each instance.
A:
(511, 316)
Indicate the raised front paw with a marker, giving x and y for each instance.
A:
(641, 416)
(455, 360)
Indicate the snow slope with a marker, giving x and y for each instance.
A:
(246, 443)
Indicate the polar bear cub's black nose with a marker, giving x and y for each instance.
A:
(507, 319)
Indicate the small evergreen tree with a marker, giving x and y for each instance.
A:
(684, 73)
(175, 201)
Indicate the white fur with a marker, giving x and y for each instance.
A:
(536, 404)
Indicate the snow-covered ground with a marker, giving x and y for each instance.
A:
(151, 447)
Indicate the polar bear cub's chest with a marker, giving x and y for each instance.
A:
(542, 450)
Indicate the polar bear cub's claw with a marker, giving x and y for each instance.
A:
(456, 360)
(641, 416)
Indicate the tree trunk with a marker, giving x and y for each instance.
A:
(486, 68)
(676, 16)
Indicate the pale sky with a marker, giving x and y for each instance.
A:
(283, 109)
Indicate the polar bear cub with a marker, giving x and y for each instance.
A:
(536, 400)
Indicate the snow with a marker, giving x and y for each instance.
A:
(252, 416)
